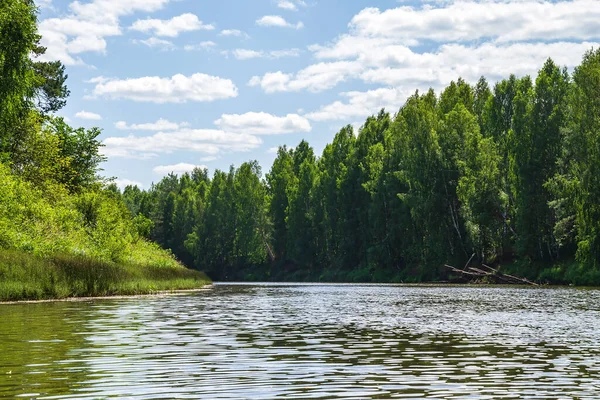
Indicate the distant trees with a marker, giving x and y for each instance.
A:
(509, 173)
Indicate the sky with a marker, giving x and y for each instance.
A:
(175, 84)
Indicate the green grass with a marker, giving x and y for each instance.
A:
(55, 244)
(24, 276)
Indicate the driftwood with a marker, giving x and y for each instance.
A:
(490, 274)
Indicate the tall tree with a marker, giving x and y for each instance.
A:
(583, 149)
(299, 219)
(279, 180)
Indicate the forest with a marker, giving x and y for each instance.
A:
(508, 174)
(64, 230)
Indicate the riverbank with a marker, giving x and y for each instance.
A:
(160, 294)
(563, 273)
(24, 276)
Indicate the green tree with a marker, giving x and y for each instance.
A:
(279, 180)
(18, 41)
(300, 240)
(583, 150)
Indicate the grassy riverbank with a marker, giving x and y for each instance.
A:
(25, 276)
(56, 244)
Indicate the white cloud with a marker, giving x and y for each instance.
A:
(207, 141)
(315, 78)
(123, 183)
(177, 89)
(154, 42)
(85, 28)
(361, 104)
(206, 45)
(284, 53)
(452, 61)
(177, 169)
(234, 32)
(273, 150)
(246, 54)
(97, 79)
(160, 125)
(290, 5)
(468, 20)
(109, 9)
(171, 27)
(44, 3)
(278, 21)
(470, 38)
(261, 123)
(88, 115)
(287, 5)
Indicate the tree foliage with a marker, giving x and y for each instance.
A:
(508, 174)
(53, 201)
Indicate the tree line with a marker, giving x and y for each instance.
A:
(509, 174)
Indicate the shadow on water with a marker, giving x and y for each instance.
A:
(309, 341)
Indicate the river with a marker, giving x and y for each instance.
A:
(308, 341)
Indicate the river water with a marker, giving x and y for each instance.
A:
(308, 341)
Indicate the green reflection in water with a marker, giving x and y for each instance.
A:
(329, 341)
(36, 342)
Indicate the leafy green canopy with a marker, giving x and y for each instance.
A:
(509, 174)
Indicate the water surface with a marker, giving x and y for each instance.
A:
(308, 341)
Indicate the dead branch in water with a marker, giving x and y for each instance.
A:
(491, 274)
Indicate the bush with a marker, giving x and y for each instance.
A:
(56, 244)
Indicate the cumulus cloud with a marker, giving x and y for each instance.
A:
(287, 5)
(406, 71)
(206, 45)
(361, 104)
(177, 169)
(467, 39)
(88, 115)
(471, 62)
(278, 21)
(160, 125)
(315, 78)
(123, 183)
(468, 20)
(246, 54)
(206, 141)
(171, 27)
(261, 123)
(86, 26)
(470, 39)
(290, 5)
(177, 89)
(154, 42)
(234, 32)
(44, 3)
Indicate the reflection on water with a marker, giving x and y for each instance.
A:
(308, 341)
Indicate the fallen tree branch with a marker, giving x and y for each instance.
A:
(490, 273)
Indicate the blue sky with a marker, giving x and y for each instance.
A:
(181, 83)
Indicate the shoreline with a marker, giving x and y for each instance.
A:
(26, 277)
(161, 293)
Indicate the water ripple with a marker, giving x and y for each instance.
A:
(308, 341)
